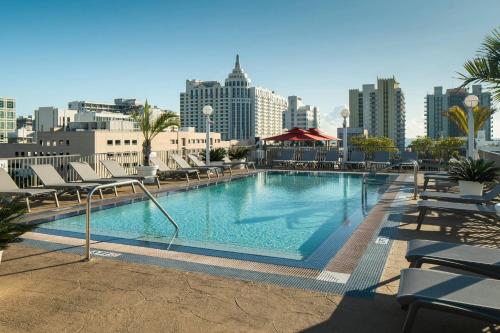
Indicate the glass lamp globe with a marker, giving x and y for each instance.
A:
(471, 101)
(345, 112)
(207, 110)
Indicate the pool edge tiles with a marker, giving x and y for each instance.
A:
(367, 273)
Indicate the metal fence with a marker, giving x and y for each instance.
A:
(20, 171)
(272, 153)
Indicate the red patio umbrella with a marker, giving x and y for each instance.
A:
(296, 134)
(317, 132)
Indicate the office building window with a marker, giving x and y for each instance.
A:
(110, 142)
(10, 104)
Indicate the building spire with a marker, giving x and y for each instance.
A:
(237, 65)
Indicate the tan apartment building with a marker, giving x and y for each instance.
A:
(110, 142)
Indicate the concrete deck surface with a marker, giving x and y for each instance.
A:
(43, 291)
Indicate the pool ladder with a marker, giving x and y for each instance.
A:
(374, 173)
(119, 183)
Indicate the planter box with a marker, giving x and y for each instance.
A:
(470, 188)
(147, 171)
(239, 166)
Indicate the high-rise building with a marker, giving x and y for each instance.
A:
(437, 124)
(241, 111)
(7, 117)
(380, 110)
(300, 115)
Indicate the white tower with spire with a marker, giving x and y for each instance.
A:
(241, 111)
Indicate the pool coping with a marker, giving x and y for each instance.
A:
(332, 278)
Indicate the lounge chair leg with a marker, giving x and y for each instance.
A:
(246, 167)
(187, 177)
(198, 175)
(217, 173)
(78, 196)
(410, 318)
(116, 191)
(421, 217)
(230, 171)
(56, 199)
(426, 182)
(133, 188)
(100, 194)
(208, 174)
(158, 182)
(28, 204)
(416, 264)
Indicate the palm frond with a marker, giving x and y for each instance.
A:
(459, 117)
(151, 125)
(485, 67)
(474, 170)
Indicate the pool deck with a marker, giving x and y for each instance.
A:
(44, 290)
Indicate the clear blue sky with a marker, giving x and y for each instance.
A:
(57, 51)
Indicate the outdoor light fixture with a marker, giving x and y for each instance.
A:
(344, 113)
(471, 102)
(207, 111)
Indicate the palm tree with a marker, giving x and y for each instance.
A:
(484, 68)
(151, 126)
(459, 117)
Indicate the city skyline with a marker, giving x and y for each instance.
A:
(59, 56)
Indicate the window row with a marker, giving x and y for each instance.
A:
(119, 142)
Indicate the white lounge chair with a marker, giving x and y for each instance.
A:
(50, 178)
(8, 188)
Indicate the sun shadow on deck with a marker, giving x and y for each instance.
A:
(382, 313)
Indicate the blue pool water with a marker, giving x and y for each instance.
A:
(283, 214)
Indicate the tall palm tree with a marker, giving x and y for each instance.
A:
(459, 117)
(151, 126)
(485, 67)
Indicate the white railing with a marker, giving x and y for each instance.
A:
(490, 156)
(20, 171)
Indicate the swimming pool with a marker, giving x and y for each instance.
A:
(284, 215)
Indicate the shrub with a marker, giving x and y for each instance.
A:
(238, 153)
(373, 144)
(9, 230)
(216, 154)
(474, 170)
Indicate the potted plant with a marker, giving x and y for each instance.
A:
(239, 154)
(216, 155)
(472, 174)
(150, 126)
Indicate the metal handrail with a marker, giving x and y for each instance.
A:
(120, 183)
(415, 175)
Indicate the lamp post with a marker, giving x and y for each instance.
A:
(207, 111)
(471, 102)
(345, 113)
